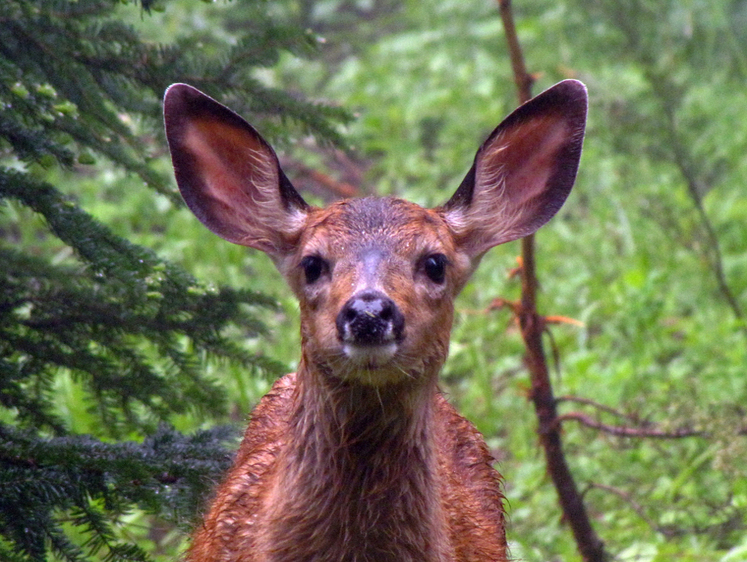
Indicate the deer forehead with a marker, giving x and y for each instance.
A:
(359, 230)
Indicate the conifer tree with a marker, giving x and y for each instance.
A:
(127, 326)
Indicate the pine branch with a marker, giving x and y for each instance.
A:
(165, 475)
(130, 329)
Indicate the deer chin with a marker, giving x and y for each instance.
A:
(371, 357)
(372, 365)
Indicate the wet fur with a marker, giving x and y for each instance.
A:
(333, 473)
(358, 457)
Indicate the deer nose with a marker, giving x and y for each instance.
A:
(370, 318)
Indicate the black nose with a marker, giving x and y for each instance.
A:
(370, 318)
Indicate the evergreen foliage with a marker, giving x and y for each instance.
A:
(77, 87)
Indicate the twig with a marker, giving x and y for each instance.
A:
(524, 80)
(682, 161)
(731, 518)
(645, 431)
(594, 404)
(687, 167)
(532, 326)
(668, 532)
(336, 187)
(626, 431)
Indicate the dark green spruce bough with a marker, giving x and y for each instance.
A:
(130, 331)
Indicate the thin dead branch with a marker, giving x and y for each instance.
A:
(533, 326)
(596, 405)
(667, 531)
(627, 431)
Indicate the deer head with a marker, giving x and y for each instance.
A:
(376, 278)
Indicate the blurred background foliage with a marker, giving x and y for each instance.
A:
(650, 253)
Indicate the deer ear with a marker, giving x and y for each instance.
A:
(228, 175)
(523, 172)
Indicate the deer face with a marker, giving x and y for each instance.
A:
(376, 277)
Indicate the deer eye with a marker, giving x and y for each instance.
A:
(435, 267)
(313, 267)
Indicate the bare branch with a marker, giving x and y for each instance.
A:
(533, 326)
(730, 518)
(594, 404)
(667, 531)
(626, 431)
(335, 187)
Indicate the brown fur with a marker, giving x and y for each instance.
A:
(392, 512)
(358, 457)
(346, 464)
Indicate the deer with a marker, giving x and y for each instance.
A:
(358, 456)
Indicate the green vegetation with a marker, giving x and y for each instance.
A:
(104, 344)
(127, 331)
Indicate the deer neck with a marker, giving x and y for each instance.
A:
(358, 480)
